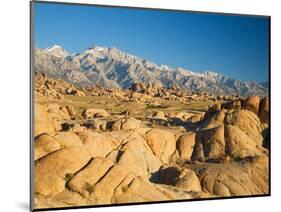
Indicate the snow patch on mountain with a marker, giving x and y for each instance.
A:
(56, 50)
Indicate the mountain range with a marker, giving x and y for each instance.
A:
(110, 67)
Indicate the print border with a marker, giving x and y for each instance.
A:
(31, 180)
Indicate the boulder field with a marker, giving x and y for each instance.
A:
(127, 161)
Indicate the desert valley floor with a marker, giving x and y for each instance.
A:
(109, 146)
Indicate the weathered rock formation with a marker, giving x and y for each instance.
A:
(131, 163)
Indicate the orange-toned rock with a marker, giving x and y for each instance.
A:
(252, 104)
(185, 145)
(45, 144)
(42, 120)
(162, 143)
(52, 171)
(264, 110)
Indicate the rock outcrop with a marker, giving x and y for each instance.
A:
(264, 110)
(162, 143)
(252, 104)
(95, 113)
(185, 145)
(126, 124)
(236, 134)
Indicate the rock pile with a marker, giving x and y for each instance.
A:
(139, 92)
(236, 134)
(172, 94)
(255, 104)
(48, 118)
(56, 88)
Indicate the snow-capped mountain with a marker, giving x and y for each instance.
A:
(56, 50)
(110, 67)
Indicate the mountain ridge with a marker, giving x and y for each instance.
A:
(111, 67)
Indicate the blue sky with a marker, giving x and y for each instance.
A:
(232, 45)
